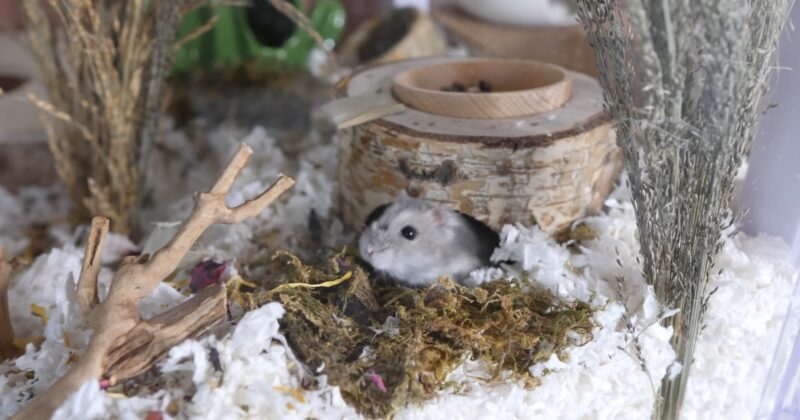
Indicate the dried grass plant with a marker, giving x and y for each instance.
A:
(683, 80)
(105, 65)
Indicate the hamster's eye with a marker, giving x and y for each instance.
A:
(409, 233)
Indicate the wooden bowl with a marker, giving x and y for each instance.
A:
(518, 88)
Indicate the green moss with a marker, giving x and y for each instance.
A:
(511, 325)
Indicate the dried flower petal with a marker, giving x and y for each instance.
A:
(154, 415)
(377, 380)
(206, 274)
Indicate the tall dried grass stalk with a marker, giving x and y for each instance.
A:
(104, 64)
(683, 80)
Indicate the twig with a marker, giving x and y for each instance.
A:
(123, 344)
(198, 32)
(7, 348)
(87, 281)
(301, 20)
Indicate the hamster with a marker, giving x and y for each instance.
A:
(415, 241)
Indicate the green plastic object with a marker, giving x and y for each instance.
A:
(231, 41)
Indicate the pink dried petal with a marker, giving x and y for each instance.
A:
(154, 415)
(377, 380)
(206, 274)
(104, 384)
(134, 252)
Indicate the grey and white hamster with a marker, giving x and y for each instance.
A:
(415, 241)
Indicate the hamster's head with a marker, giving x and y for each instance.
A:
(406, 236)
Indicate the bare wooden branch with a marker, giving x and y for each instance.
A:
(197, 33)
(87, 282)
(151, 340)
(235, 165)
(7, 348)
(123, 344)
(211, 206)
(254, 207)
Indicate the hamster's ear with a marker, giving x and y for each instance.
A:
(403, 198)
(376, 214)
(441, 215)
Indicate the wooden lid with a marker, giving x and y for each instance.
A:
(581, 113)
(484, 88)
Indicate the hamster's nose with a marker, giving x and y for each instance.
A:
(370, 251)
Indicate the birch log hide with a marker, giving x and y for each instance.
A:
(549, 169)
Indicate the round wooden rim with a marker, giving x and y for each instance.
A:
(552, 90)
(535, 130)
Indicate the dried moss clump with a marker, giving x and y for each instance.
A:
(386, 345)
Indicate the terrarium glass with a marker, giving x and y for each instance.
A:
(771, 193)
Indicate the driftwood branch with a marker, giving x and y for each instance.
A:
(87, 282)
(7, 348)
(150, 340)
(123, 344)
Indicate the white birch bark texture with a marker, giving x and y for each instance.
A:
(547, 169)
